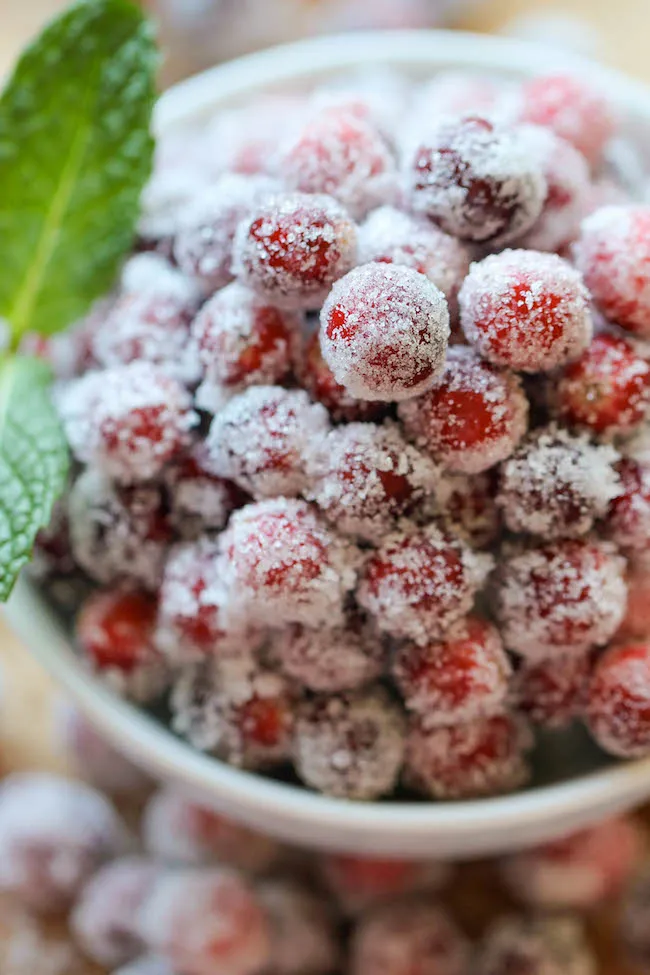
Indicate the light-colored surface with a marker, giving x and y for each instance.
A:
(400, 829)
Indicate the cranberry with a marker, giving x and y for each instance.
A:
(199, 501)
(636, 622)
(359, 883)
(552, 692)
(303, 934)
(628, 518)
(535, 946)
(468, 506)
(317, 378)
(618, 700)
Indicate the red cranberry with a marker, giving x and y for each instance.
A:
(618, 700)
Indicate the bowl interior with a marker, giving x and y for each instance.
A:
(574, 782)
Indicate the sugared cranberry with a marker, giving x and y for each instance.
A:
(478, 758)
(294, 247)
(359, 883)
(552, 692)
(345, 156)
(115, 631)
(607, 390)
(206, 920)
(303, 934)
(260, 440)
(526, 310)
(477, 180)
(628, 519)
(467, 505)
(572, 108)
(287, 566)
(384, 332)
(564, 597)
(54, 834)
(556, 485)
(419, 583)
(408, 936)
(199, 501)
(245, 139)
(536, 946)
(473, 416)
(618, 700)
(350, 745)
(456, 679)
(318, 379)
(175, 830)
(93, 757)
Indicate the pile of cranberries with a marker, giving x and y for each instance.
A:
(361, 477)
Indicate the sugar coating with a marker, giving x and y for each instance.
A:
(607, 390)
(526, 309)
(618, 700)
(475, 178)
(376, 95)
(293, 247)
(579, 871)
(317, 378)
(303, 934)
(391, 236)
(93, 757)
(570, 107)
(483, 757)
(613, 253)
(198, 500)
(568, 184)
(54, 834)
(467, 506)
(628, 518)
(118, 534)
(365, 477)
(420, 582)
(104, 918)
(384, 332)
(330, 660)
(177, 831)
(243, 341)
(473, 416)
(359, 883)
(207, 224)
(537, 946)
(457, 679)
(557, 484)
(563, 597)
(240, 711)
(449, 92)
(287, 566)
(261, 437)
(409, 934)
(206, 920)
(552, 692)
(350, 746)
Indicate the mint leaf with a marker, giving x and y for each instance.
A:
(33, 462)
(75, 153)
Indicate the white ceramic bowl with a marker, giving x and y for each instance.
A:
(576, 796)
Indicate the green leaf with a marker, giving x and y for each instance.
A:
(33, 462)
(75, 153)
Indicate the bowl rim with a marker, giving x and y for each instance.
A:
(255, 796)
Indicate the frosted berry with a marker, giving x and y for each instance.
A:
(384, 332)
(93, 757)
(455, 92)
(207, 224)
(115, 632)
(238, 710)
(526, 309)
(473, 416)
(176, 830)
(613, 253)
(198, 500)
(390, 236)
(287, 566)
(482, 757)
(245, 139)
(607, 390)
(330, 660)
(476, 179)
(345, 156)
(205, 921)
(350, 746)
(579, 871)
(467, 504)
(557, 484)
(407, 936)
(552, 692)
(118, 534)
(571, 108)
(536, 946)
(457, 679)
(358, 882)
(564, 597)
(261, 437)
(417, 584)
(317, 378)
(104, 919)
(618, 700)
(243, 341)
(294, 247)
(303, 934)
(365, 477)
(54, 834)
(628, 519)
